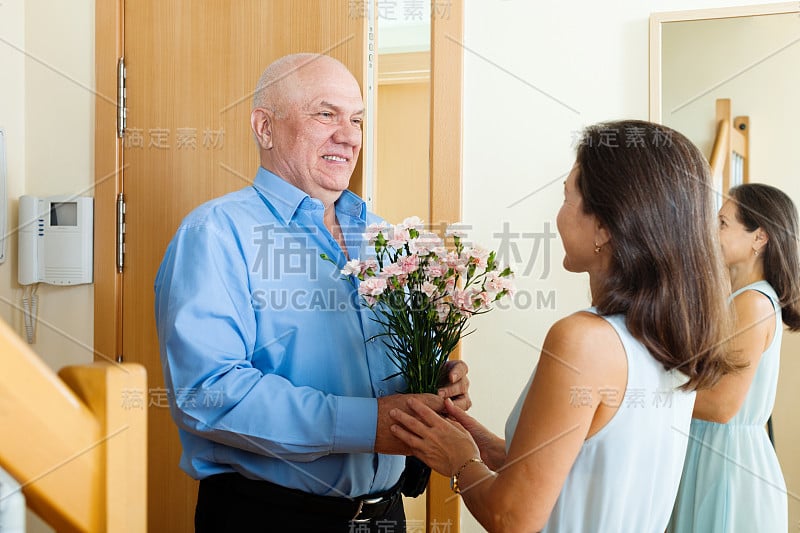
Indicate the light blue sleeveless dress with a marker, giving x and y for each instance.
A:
(732, 481)
(625, 477)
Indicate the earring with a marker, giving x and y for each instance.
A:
(755, 253)
(597, 248)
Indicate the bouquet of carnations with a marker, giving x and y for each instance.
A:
(424, 294)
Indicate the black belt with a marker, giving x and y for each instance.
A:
(360, 509)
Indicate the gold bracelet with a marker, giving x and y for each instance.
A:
(454, 478)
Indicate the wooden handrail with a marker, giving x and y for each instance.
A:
(721, 150)
(76, 445)
(732, 136)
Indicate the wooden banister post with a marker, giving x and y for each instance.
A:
(117, 395)
(77, 445)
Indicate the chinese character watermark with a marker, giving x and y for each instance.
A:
(580, 396)
(185, 138)
(160, 397)
(132, 399)
(508, 251)
(406, 10)
(288, 249)
(635, 137)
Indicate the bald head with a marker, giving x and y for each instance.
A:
(282, 81)
(306, 118)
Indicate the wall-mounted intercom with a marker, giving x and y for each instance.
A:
(55, 240)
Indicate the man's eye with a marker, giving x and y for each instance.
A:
(358, 121)
(325, 114)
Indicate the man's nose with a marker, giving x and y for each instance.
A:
(348, 133)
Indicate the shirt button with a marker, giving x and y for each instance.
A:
(381, 392)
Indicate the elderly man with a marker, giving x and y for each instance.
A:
(280, 392)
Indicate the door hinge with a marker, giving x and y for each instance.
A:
(122, 98)
(120, 232)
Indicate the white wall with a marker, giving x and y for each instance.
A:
(47, 111)
(536, 73)
(59, 139)
(12, 120)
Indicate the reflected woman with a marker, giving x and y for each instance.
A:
(598, 437)
(732, 481)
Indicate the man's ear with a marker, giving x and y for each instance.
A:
(261, 122)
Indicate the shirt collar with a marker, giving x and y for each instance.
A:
(349, 203)
(286, 199)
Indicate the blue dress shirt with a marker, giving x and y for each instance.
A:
(267, 353)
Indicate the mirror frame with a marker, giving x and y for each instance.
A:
(657, 19)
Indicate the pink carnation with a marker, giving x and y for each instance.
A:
(372, 287)
(442, 312)
(372, 231)
(456, 230)
(435, 270)
(440, 251)
(481, 301)
(495, 284)
(352, 267)
(478, 256)
(369, 264)
(411, 223)
(398, 237)
(425, 244)
(358, 268)
(408, 263)
(462, 300)
(429, 289)
(393, 269)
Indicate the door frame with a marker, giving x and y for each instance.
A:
(108, 166)
(447, 55)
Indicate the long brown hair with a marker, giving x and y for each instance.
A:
(651, 188)
(768, 208)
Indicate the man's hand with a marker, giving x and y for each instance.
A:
(455, 384)
(385, 441)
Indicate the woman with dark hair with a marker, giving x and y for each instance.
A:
(597, 440)
(732, 481)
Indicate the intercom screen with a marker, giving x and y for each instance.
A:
(63, 213)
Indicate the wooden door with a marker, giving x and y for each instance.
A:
(191, 70)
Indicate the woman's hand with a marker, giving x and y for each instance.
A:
(442, 444)
(492, 447)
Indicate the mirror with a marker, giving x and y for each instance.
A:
(401, 184)
(751, 56)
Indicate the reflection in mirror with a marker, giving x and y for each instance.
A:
(752, 63)
(402, 186)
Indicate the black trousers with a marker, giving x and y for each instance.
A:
(232, 503)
